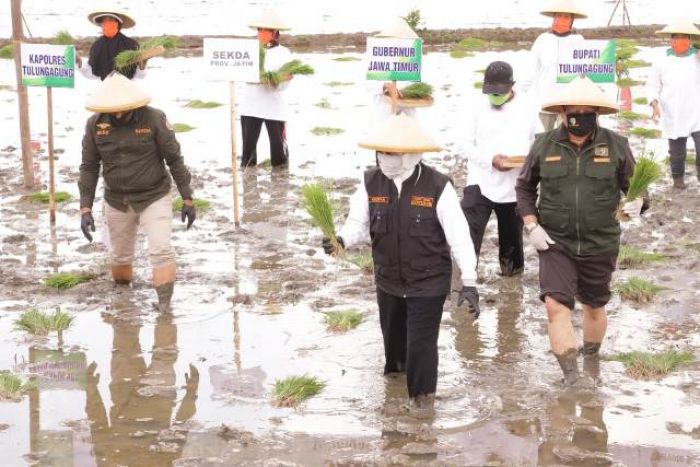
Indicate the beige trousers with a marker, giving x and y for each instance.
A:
(156, 221)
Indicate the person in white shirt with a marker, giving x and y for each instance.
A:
(502, 125)
(264, 103)
(412, 215)
(674, 94)
(545, 53)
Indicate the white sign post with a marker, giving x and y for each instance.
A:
(233, 60)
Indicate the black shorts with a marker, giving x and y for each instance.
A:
(566, 277)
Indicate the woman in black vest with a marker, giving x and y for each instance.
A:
(412, 215)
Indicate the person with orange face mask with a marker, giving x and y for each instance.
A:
(545, 53)
(674, 95)
(104, 50)
(262, 103)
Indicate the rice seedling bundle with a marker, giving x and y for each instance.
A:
(11, 386)
(316, 203)
(647, 365)
(294, 389)
(646, 172)
(417, 91)
(291, 68)
(149, 49)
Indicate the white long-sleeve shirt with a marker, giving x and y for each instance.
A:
(86, 71)
(262, 101)
(675, 83)
(509, 131)
(449, 214)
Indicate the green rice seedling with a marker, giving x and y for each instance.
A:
(182, 127)
(471, 44)
(60, 321)
(646, 172)
(637, 64)
(633, 257)
(648, 365)
(460, 54)
(629, 115)
(335, 84)
(43, 197)
(417, 91)
(413, 19)
(326, 131)
(198, 104)
(12, 387)
(66, 280)
(6, 51)
(628, 82)
(347, 58)
(343, 321)
(316, 203)
(200, 204)
(295, 67)
(38, 323)
(323, 104)
(63, 37)
(129, 58)
(638, 290)
(292, 390)
(647, 133)
(641, 100)
(478, 84)
(363, 261)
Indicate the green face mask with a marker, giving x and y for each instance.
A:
(498, 100)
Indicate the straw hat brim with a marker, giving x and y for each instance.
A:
(269, 20)
(581, 91)
(117, 94)
(400, 134)
(399, 149)
(679, 28)
(127, 21)
(399, 29)
(564, 6)
(576, 15)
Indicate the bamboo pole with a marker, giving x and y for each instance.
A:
(234, 159)
(52, 179)
(22, 98)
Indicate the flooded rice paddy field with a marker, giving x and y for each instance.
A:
(127, 386)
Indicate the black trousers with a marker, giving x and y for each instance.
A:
(410, 327)
(510, 231)
(276, 132)
(678, 149)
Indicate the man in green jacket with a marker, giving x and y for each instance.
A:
(581, 170)
(133, 143)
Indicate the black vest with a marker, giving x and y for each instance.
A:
(411, 255)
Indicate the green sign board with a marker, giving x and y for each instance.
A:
(394, 59)
(595, 59)
(48, 65)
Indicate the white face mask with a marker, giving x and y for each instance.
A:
(394, 165)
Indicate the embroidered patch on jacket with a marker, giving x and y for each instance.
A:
(142, 131)
(422, 202)
(378, 200)
(601, 151)
(552, 159)
(103, 129)
(601, 160)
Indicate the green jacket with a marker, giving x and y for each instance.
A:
(579, 189)
(133, 153)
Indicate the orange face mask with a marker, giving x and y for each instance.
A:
(562, 24)
(110, 27)
(265, 36)
(680, 45)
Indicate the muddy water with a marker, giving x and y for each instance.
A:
(127, 386)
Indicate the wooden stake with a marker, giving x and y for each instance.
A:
(52, 179)
(234, 159)
(22, 98)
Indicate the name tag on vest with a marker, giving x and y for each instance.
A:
(378, 200)
(601, 160)
(552, 159)
(422, 202)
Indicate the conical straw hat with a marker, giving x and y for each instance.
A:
(680, 27)
(269, 19)
(402, 134)
(564, 6)
(398, 29)
(117, 93)
(126, 20)
(581, 91)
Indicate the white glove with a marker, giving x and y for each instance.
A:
(633, 208)
(539, 238)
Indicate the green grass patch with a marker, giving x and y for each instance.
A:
(417, 91)
(326, 131)
(648, 365)
(363, 261)
(628, 82)
(292, 390)
(43, 197)
(323, 104)
(6, 51)
(182, 127)
(12, 387)
(641, 101)
(343, 321)
(637, 64)
(66, 280)
(633, 257)
(478, 84)
(200, 204)
(63, 37)
(38, 323)
(461, 54)
(648, 133)
(198, 104)
(638, 290)
(347, 58)
(471, 44)
(629, 115)
(335, 84)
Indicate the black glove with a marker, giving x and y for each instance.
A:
(189, 212)
(328, 246)
(87, 224)
(471, 295)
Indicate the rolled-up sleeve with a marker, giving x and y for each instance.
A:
(526, 185)
(356, 227)
(456, 229)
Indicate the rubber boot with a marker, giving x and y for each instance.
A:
(569, 366)
(164, 283)
(678, 182)
(122, 274)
